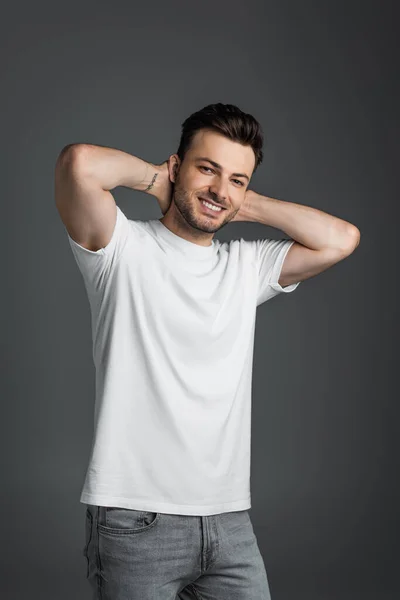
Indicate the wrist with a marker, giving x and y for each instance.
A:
(248, 210)
(159, 185)
(151, 182)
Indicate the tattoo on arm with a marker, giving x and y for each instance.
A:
(152, 183)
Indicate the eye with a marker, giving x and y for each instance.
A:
(209, 169)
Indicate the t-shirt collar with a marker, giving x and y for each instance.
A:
(185, 246)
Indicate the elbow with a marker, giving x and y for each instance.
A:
(353, 240)
(70, 156)
(355, 236)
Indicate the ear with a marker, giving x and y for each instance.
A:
(174, 163)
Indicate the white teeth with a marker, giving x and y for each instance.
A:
(217, 208)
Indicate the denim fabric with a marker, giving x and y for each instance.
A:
(141, 555)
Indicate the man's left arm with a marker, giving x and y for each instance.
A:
(321, 240)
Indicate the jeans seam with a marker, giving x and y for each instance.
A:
(86, 552)
(99, 574)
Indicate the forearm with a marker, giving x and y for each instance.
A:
(309, 226)
(111, 167)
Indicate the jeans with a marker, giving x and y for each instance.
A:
(141, 555)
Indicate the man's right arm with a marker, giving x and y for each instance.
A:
(84, 176)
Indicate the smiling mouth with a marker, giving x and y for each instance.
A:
(218, 208)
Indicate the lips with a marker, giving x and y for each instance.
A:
(213, 203)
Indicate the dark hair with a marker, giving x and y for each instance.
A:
(228, 120)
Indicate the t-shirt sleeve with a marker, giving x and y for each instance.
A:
(270, 256)
(97, 266)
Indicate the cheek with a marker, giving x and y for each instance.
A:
(237, 201)
(200, 185)
(193, 185)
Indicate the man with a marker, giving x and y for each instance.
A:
(173, 313)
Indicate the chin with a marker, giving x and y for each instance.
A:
(211, 227)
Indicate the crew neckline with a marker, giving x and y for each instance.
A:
(185, 246)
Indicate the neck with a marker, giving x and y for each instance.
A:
(175, 222)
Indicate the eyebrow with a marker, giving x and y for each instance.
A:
(217, 166)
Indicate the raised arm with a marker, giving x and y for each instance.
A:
(84, 176)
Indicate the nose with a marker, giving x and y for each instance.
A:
(218, 191)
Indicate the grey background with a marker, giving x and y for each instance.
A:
(321, 79)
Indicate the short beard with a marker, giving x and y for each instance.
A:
(186, 210)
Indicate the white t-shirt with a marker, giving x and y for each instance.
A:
(173, 335)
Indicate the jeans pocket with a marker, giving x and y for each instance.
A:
(123, 521)
(88, 537)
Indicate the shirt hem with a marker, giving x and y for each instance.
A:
(162, 507)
